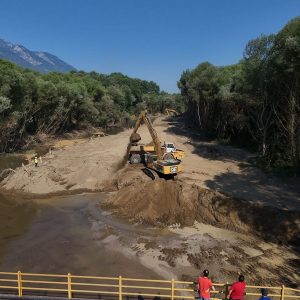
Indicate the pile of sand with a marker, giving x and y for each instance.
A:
(83, 166)
(166, 202)
(162, 203)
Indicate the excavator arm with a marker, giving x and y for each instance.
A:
(139, 122)
(143, 118)
(169, 112)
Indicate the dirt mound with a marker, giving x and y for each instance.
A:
(156, 202)
(163, 203)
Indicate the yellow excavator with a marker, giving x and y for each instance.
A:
(164, 159)
(172, 112)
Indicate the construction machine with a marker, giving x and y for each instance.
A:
(171, 112)
(169, 150)
(164, 159)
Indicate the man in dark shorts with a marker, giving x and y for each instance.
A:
(236, 291)
(204, 286)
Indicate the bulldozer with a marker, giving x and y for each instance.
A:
(163, 159)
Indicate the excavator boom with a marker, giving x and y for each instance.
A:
(144, 118)
(171, 112)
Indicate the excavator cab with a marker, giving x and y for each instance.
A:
(170, 147)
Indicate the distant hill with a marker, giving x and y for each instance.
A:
(36, 60)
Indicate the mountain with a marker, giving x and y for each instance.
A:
(36, 60)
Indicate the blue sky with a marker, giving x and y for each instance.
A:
(153, 40)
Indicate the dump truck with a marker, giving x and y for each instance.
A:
(164, 159)
(169, 150)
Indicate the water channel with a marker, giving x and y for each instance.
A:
(61, 234)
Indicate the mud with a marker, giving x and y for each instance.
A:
(201, 228)
(16, 215)
(163, 203)
(184, 252)
(72, 234)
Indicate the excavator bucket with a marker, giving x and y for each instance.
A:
(149, 173)
(135, 138)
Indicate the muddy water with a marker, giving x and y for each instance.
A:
(10, 161)
(61, 239)
(15, 217)
(15, 160)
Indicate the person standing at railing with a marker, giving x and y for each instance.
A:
(237, 289)
(205, 286)
(264, 295)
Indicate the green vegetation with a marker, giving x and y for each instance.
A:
(255, 102)
(33, 103)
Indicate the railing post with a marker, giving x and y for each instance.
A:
(226, 292)
(282, 293)
(20, 293)
(120, 288)
(69, 286)
(172, 289)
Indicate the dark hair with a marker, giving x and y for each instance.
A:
(241, 278)
(264, 292)
(205, 272)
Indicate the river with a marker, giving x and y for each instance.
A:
(63, 237)
(61, 234)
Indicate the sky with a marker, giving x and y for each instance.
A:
(148, 39)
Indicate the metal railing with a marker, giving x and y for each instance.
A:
(91, 287)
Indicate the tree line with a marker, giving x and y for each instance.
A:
(255, 102)
(32, 103)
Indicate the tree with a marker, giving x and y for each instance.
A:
(256, 100)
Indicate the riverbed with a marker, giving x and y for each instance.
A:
(72, 233)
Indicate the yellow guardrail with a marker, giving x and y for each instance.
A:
(74, 286)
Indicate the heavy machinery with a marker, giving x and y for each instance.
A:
(164, 159)
(169, 151)
(171, 112)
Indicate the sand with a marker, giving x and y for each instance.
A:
(92, 163)
(166, 202)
